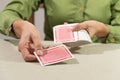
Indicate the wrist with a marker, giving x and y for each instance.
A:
(18, 27)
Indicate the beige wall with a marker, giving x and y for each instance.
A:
(39, 17)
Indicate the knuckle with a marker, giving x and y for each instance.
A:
(26, 58)
(29, 59)
(20, 46)
(38, 46)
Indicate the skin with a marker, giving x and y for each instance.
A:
(93, 28)
(30, 37)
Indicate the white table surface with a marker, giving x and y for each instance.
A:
(92, 62)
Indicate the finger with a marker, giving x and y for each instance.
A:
(37, 44)
(80, 26)
(28, 56)
(77, 27)
(24, 42)
(39, 52)
(31, 49)
(91, 32)
(65, 23)
(25, 50)
(26, 53)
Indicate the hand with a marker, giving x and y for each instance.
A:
(93, 28)
(29, 39)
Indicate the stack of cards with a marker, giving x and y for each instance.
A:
(54, 55)
(64, 34)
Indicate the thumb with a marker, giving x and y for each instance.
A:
(91, 32)
(37, 45)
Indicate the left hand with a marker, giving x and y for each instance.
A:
(93, 28)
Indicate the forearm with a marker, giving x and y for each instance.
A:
(6, 20)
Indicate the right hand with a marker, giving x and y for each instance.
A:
(30, 40)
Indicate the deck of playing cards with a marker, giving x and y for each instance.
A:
(64, 34)
(54, 55)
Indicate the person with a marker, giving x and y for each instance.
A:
(101, 18)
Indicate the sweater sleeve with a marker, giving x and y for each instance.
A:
(16, 10)
(114, 26)
(114, 36)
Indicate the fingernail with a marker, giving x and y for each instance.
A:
(65, 23)
(39, 52)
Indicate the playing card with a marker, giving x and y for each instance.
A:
(54, 55)
(64, 34)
